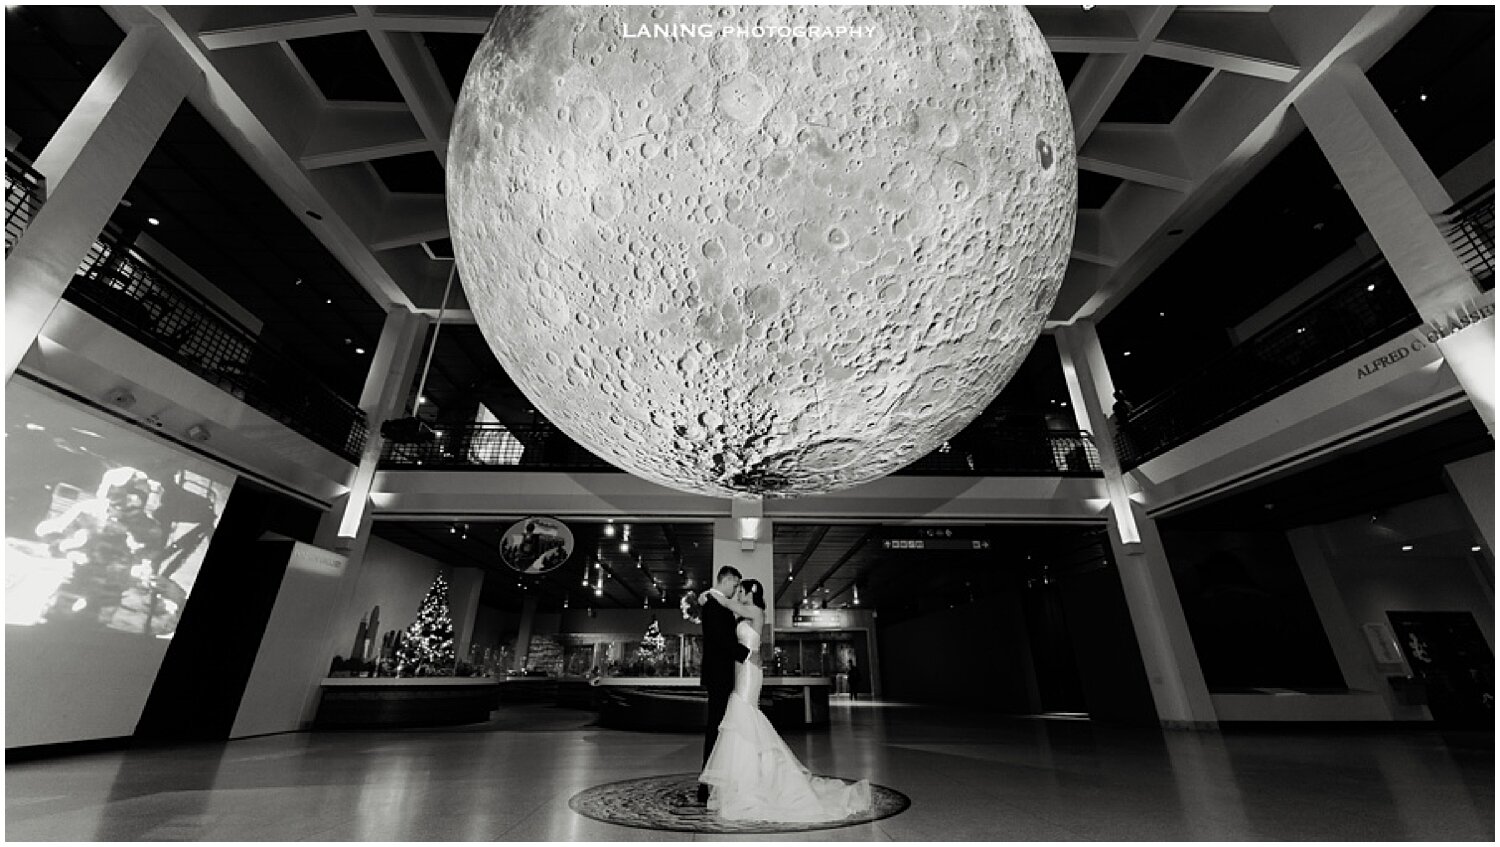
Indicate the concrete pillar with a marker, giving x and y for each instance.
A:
(464, 588)
(1345, 637)
(1161, 630)
(394, 366)
(346, 526)
(1091, 390)
(752, 563)
(523, 634)
(89, 164)
(1398, 196)
(1473, 480)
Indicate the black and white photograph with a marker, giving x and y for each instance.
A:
(605, 423)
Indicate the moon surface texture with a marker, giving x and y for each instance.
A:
(767, 266)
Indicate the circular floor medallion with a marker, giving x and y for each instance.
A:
(670, 803)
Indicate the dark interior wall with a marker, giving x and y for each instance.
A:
(973, 654)
(1108, 657)
(197, 692)
(1253, 623)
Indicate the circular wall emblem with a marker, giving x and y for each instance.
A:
(536, 545)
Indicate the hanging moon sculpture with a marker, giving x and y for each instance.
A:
(761, 251)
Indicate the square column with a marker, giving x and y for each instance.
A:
(752, 560)
(1161, 630)
(1399, 198)
(89, 164)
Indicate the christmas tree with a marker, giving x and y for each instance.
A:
(654, 642)
(429, 640)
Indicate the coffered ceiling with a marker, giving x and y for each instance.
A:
(344, 112)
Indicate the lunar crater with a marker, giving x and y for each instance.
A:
(762, 267)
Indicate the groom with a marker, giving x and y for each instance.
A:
(720, 652)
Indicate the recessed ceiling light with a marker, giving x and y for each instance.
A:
(1161, 314)
(1474, 549)
(1127, 352)
(329, 301)
(153, 221)
(1370, 287)
(1406, 548)
(421, 401)
(360, 351)
(298, 281)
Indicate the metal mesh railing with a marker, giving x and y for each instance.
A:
(988, 450)
(493, 446)
(979, 451)
(1470, 228)
(134, 295)
(1363, 310)
(25, 191)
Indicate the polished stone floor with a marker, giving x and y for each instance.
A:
(969, 778)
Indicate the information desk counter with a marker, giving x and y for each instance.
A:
(676, 705)
(376, 702)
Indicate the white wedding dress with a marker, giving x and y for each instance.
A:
(752, 774)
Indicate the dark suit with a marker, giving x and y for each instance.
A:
(717, 675)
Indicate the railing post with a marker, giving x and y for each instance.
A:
(1399, 198)
(1172, 669)
(88, 165)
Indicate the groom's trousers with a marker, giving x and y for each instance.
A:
(718, 702)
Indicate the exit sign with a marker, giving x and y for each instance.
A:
(935, 538)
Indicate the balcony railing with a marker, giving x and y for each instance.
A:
(1470, 228)
(145, 301)
(25, 191)
(995, 451)
(1363, 310)
(987, 450)
(493, 446)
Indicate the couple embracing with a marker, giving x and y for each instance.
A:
(748, 771)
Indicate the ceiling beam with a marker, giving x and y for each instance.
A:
(844, 559)
(246, 36)
(349, 134)
(807, 552)
(420, 82)
(409, 219)
(1103, 74)
(1144, 153)
(1237, 43)
(227, 38)
(226, 110)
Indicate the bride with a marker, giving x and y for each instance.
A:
(751, 772)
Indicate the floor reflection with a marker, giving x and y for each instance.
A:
(969, 775)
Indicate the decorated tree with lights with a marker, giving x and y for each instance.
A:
(654, 642)
(429, 640)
